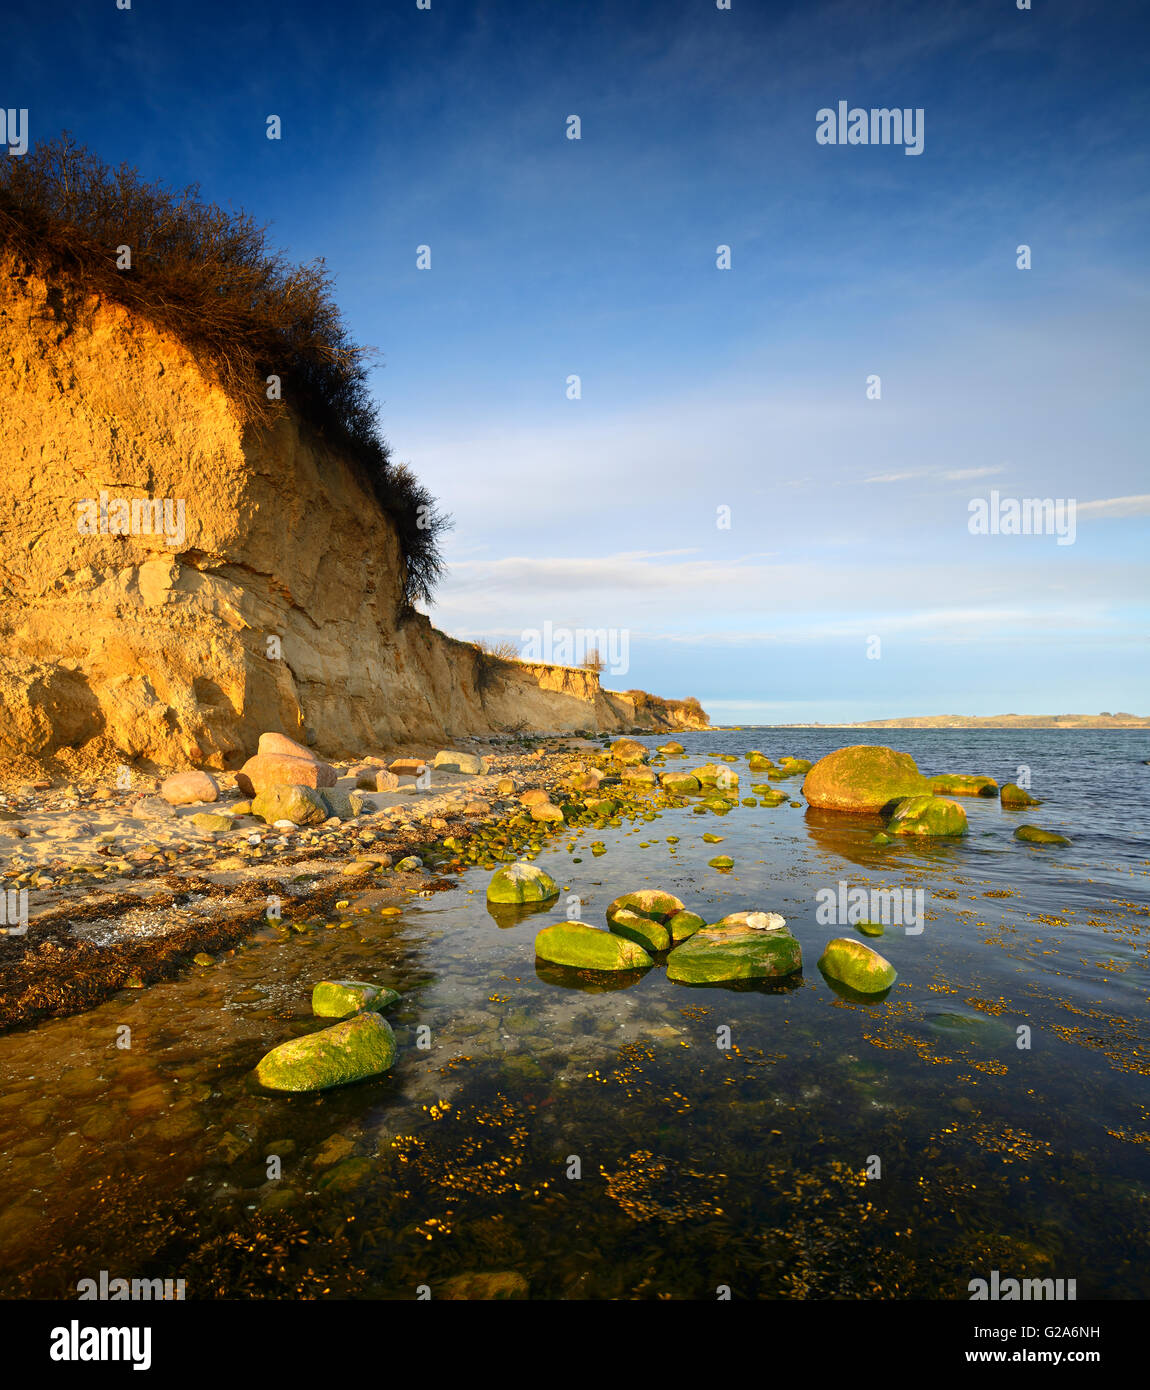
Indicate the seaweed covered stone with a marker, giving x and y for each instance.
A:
(521, 883)
(859, 967)
(1014, 795)
(927, 815)
(628, 751)
(339, 998)
(358, 1048)
(1032, 835)
(962, 784)
(864, 777)
(743, 946)
(583, 947)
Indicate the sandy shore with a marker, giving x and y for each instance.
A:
(123, 889)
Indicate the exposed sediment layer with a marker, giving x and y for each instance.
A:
(266, 593)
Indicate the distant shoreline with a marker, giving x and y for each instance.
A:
(992, 721)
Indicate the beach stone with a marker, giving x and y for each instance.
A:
(521, 883)
(671, 748)
(360, 1047)
(584, 947)
(347, 1176)
(301, 805)
(628, 751)
(684, 924)
(863, 777)
(202, 958)
(772, 798)
(712, 775)
(409, 864)
(451, 761)
(735, 949)
(857, 966)
(187, 788)
(241, 808)
(377, 779)
(962, 784)
(407, 767)
(280, 743)
(680, 783)
(927, 815)
(339, 998)
(651, 935)
(280, 769)
(535, 797)
(651, 903)
(1014, 795)
(204, 820)
(505, 786)
(721, 861)
(792, 767)
(547, 812)
(1034, 836)
(759, 762)
(870, 928)
(345, 805)
(642, 775)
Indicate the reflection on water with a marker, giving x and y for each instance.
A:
(570, 1136)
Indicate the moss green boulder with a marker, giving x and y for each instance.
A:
(641, 776)
(857, 966)
(651, 903)
(303, 805)
(870, 928)
(684, 924)
(962, 784)
(338, 998)
(927, 815)
(583, 947)
(759, 762)
(206, 820)
(681, 783)
(1033, 836)
(360, 1047)
(1014, 795)
(671, 748)
(721, 861)
(651, 935)
(743, 946)
(712, 775)
(772, 798)
(521, 883)
(863, 777)
(628, 752)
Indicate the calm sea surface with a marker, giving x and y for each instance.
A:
(571, 1140)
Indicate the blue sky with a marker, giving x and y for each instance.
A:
(705, 388)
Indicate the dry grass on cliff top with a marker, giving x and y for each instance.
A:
(210, 277)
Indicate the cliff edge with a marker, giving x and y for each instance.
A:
(174, 582)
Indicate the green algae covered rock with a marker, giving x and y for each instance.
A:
(1014, 795)
(870, 928)
(772, 798)
(338, 998)
(651, 935)
(721, 861)
(671, 748)
(962, 784)
(927, 815)
(1034, 836)
(583, 947)
(360, 1047)
(743, 946)
(863, 777)
(652, 903)
(205, 820)
(759, 762)
(711, 775)
(859, 967)
(684, 924)
(303, 805)
(521, 883)
(680, 783)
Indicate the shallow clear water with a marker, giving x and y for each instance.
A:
(702, 1160)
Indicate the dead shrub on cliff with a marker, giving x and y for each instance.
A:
(209, 276)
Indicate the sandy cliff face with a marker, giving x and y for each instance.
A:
(263, 593)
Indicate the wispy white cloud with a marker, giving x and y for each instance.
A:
(1116, 506)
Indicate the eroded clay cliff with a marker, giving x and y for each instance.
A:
(267, 595)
